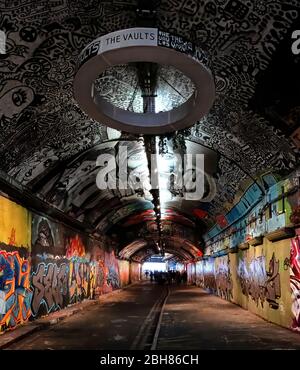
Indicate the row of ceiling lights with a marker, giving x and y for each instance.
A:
(157, 211)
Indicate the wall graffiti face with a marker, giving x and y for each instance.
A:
(46, 238)
(15, 292)
(258, 282)
(49, 284)
(295, 282)
(44, 242)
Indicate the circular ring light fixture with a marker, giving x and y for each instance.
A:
(135, 45)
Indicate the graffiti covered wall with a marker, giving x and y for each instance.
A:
(68, 267)
(295, 281)
(258, 279)
(254, 261)
(15, 292)
(263, 282)
(46, 266)
(15, 240)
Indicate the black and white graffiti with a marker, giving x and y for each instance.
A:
(44, 134)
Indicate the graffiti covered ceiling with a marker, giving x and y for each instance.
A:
(48, 144)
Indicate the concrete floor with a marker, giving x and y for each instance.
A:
(112, 324)
(192, 319)
(196, 320)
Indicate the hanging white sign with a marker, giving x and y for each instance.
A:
(128, 37)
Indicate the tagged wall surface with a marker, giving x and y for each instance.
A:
(258, 279)
(295, 281)
(15, 287)
(46, 266)
(263, 280)
(68, 267)
(254, 261)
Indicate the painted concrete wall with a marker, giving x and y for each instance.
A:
(135, 272)
(124, 270)
(15, 285)
(46, 266)
(258, 279)
(265, 278)
(295, 280)
(262, 278)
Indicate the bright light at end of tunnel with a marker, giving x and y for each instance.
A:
(154, 266)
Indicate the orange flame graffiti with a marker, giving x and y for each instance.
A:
(75, 248)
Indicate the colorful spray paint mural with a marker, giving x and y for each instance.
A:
(261, 284)
(295, 281)
(252, 259)
(45, 266)
(68, 268)
(50, 287)
(82, 276)
(258, 279)
(112, 271)
(15, 290)
(255, 214)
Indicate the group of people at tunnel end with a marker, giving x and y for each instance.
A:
(167, 277)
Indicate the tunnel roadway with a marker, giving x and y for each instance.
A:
(146, 316)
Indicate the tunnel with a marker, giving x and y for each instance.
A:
(137, 133)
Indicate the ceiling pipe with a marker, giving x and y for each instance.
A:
(150, 149)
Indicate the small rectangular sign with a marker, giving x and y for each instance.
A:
(129, 37)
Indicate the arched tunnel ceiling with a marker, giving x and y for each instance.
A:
(139, 250)
(48, 144)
